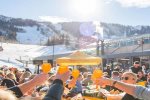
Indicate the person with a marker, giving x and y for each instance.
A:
(134, 90)
(148, 80)
(115, 75)
(79, 83)
(18, 74)
(56, 89)
(24, 77)
(117, 68)
(130, 78)
(7, 95)
(83, 69)
(136, 67)
(87, 81)
(13, 77)
(141, 76)
(27, 70)
(8, 82)
(108, 70)
(85, 75)
(1, 76)
(23, 88)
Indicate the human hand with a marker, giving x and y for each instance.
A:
(64, 77)
(72, 83)
(103, 81)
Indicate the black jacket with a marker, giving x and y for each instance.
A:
(129, 97)
(8, 83)
(17, 92)
(135, 70)
(55, 92)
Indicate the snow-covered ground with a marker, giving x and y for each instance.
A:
(12, 53)
(33, 35)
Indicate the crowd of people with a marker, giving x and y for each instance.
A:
(24, 85)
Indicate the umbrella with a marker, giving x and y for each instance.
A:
(79, 58)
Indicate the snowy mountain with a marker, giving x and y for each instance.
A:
(31, 36)
(28, 34)
(110, 30)
(4, 18)
(27, 31)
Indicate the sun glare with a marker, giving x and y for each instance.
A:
(85, 7)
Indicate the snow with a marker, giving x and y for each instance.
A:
(10, 62)
(4, 18)
(58, 27)
(13, 53)
(46, 50)
(32, 36)
(139, 27)
(16, 55)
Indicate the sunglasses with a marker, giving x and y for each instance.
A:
(126, 78)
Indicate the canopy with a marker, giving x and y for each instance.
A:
(79, 58)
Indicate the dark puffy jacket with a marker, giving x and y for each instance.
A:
(55, 92)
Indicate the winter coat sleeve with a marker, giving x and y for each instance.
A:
(55, 92)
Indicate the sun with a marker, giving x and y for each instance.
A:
(84, 7)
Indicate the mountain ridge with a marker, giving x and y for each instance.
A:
(28, 31)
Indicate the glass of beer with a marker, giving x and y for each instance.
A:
(46, 67)
(97, 73)
(75, 73)
(62, 69)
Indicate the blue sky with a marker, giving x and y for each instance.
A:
(128, 12)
